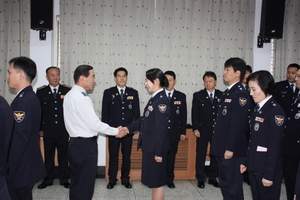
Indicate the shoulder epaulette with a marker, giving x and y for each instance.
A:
(42, 87)
(66, 86)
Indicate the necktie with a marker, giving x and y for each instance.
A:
(122, 94)
(169, 96)
(54, 93)
(256, 108)
(292, 87)
(211, 98)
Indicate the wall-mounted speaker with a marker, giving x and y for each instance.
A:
(41, 14)
(272, 16)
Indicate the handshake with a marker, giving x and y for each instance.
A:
(123, 131)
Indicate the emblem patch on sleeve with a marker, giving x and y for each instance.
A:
(279, 120)
(242, 101)
(19, 116)
(162, 108)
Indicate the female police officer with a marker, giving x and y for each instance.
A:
(153, 126)
(264, 153)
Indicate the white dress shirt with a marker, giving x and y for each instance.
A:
(80, 117)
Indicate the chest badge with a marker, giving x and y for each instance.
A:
(256, 126)
(224, 111)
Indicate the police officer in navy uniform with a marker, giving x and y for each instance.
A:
(286, 91)
(153, 137)
(177, 123)
(229, 143)
(120, 107)
(291, 144)
(25, 163)
(6, 126)
(55, 135)
(297, 185)
(204, 113)
(264, 159)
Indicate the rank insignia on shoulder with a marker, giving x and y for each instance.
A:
(42, 87)
(66, 86)
(19, 116)
(279, 120)
(242, 101)
(162, 108)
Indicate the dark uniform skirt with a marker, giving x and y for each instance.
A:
(154, 174)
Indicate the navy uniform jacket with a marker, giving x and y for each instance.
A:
(291, 139)
(284, 95)
(52, 111)
(25, 162)
(6, 127)
(117, 113)
(178, 116)
(264, 152)
(153, 125)
(297, 185)
(229, 131)
(204, 112)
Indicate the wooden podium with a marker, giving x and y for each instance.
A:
(184, 165)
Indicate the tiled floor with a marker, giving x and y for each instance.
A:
(185, 190)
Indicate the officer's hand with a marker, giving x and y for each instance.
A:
(182, 137)
(122, 132)
(158, 159)
(197, 133)
(243, 168)
(228, 154)
(266, 182)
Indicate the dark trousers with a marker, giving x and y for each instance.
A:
(259, 191)
(61, 144)
(171, 156)
(4, 194)
(290, 167)
(114, 147)
(83, 155)
(22, 193)
(201, 151)
(230, 177)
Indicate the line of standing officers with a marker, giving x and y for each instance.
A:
(259, 134)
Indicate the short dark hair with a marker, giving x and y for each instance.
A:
(120, 69)
(82, 70)
(25, 64)
(209, 74)
(52, 67)
(265, 81)
(155, 73)
(237, 64)
(171, 73)
(294, 65)
(248, 68)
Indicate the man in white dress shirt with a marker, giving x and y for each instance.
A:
(83, 126)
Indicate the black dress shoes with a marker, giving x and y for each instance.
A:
(127, 185)
(66, 185)
(44, 185)
(201, 184)
(214, 182)
(171, 185)
(110, 185)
